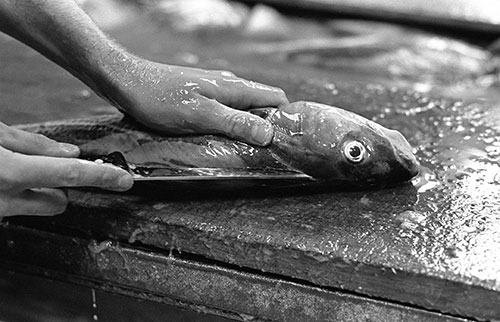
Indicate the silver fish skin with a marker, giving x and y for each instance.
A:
(335, 145)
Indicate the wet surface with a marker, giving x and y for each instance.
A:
(433, 243)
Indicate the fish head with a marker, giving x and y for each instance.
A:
(333, 144)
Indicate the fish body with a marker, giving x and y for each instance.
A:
(329, 145)
(337, 146)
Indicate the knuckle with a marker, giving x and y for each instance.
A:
(8, 180)
(235, 123)
(10, 176)
(106, 179)
(40, 140)
(71, 175)
(93, 175)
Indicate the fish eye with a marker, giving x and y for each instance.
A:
(355, 151)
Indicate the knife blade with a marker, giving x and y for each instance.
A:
(155, 172)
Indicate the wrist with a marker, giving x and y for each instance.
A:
(113, 76)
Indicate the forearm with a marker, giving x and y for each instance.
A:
(62, 32)
(171, 99)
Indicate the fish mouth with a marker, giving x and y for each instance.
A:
(405, 169)
(406, 166)
(411, 165)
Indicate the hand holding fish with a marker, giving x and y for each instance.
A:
(174, 100)
(182, 100)
(167, 98)
(34, 166)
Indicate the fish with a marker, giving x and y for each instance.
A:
(322, 144)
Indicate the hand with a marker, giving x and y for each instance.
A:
(171, 99)
(182, 100)
(33, 166)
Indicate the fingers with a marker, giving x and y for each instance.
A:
(242, 94)
(47, 172)
(35, 144)
(236, 124)
(40, 202)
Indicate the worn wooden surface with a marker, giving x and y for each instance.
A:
(432, 245)
(209, 287)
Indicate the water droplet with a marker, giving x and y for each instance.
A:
(411, 220)
(365, 200)
(307, 227)
(426, 180)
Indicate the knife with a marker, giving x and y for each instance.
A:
(156, 172)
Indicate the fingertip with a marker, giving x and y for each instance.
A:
(282, 97)
(272, 96)
(262, 133)
(125, 182)
(120, 180)
(69, 150)
(242, 94)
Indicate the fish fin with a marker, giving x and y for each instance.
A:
(116, 158)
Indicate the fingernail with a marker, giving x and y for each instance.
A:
(126, 182)
(69, 148)
(284, 99)
(262, 134)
